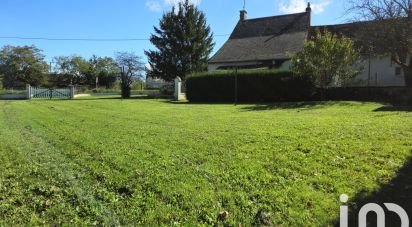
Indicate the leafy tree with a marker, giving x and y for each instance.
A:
(183, 41)
(23, 64)
(390, 30)
(82, 71)
(131, 69)
(105, 69)
(75, 67)
(327, 58)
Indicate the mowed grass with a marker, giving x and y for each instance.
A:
(152, 162)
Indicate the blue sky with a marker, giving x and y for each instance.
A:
(117, 19)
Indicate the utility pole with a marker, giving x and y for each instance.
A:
(236, 86)
(51, 65)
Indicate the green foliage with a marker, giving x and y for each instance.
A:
(183, 42)
(72, 66)
(252, 86)
(327, 59)
(138, 85)
(105, 69)
(77, 70)
(114, 162)
(22, 65)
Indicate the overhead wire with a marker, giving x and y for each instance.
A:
(83, 39)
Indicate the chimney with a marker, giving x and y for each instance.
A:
(243, 15)
(308, 9)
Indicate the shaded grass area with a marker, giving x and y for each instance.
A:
(398, 191)
(150, 162)
(391, 108)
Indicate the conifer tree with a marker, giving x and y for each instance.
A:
(183, 43)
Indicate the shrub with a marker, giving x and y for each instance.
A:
(252, 86)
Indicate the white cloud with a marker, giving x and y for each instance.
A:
(154, 6)
(159, 5)
(296, 6)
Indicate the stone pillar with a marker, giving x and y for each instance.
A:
(178, 88)
(28, 91)
(72, 92)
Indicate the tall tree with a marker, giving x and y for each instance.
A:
(23, 64)
(101, 69)
(82, 71)
(390, 30)
(184, 42)
(106, 70)
(131, 69)
(75, 67)
(327, 58)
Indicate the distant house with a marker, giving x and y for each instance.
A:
(270, 41)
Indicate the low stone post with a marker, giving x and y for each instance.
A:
(178, 88)
(28, 91)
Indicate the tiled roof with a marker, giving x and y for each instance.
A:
(268, 38)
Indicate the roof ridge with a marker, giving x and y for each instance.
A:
(277, 16)
(348, 23)
(354, 22)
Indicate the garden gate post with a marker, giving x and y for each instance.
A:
(72, 92)
(178, 88)
(28, 91)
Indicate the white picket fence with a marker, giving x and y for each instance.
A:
(49, 93)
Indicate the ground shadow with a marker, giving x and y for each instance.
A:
(398, 191)
(195, 103)
(90, 98)
(394, 109)
(295, 105)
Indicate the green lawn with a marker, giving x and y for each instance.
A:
(149, 162)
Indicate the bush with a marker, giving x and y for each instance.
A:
(252, 86)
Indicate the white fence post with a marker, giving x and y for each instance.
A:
(28, 91)
(178, 88)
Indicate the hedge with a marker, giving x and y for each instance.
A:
(252, 86)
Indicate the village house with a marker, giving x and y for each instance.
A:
(270, 41)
